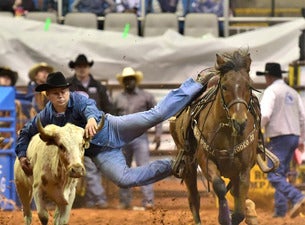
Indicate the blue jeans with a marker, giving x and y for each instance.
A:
(120, 130)
(95, 193)
(283, 147)
(139, 149)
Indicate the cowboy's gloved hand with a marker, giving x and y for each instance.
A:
(157, 140)
(26, 166)
(91, 127)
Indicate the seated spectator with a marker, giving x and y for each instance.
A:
(51, 6)
(206, 6)
(98, 7)
(21, 7)
(128, 6)
(168, 5)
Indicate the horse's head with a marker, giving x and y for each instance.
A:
(235, 87)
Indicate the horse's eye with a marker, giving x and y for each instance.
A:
(224, 88)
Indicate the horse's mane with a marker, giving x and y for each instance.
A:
(235, 60)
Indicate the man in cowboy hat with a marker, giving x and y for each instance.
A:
(83, 81)
(106, 145)
(8, 77)
(131, 100)
(38, 75)
(283, 118)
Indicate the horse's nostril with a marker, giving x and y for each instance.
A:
(239, 127)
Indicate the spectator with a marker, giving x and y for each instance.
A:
(8, 77)
(131, 100)
(98, 7)
(51, 6)
(206, 6)
(168, 5)
(24, 109)
(38, 75)
(128, 6)
(283, 117)
(83, 81)
(21, 7)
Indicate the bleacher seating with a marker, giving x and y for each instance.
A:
(199, 24)
(6, 13)
(118, 22)
(156, 24)
(42, 16)
(81, 19)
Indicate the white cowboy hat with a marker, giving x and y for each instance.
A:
(42, 65)
(129, 72)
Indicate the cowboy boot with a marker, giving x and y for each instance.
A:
(178, 165)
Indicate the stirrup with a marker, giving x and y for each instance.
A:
(178, 165)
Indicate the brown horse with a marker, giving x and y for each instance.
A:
(219, 132)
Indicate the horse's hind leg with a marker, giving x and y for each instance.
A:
(190, 180)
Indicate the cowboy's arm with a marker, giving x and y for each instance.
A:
(267, 105)
(90, 112)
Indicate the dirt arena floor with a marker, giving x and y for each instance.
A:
(171, 208)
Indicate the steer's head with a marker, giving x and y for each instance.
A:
(70, 144)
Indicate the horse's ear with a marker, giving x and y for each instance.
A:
(219, 60)
(248, 62)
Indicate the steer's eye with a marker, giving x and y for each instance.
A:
(62, 147)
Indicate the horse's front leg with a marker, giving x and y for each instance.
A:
(219, 186)
(239, 191)
(190, 179)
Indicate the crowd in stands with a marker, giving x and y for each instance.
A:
(102, 7)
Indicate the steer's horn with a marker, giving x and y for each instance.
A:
(48, 138)
(99, 127)
(263, 164)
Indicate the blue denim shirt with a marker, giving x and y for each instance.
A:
(79, 110)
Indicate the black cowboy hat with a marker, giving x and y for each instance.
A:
(13, 75)
(273, 69)
(80, 60)
(54, 80)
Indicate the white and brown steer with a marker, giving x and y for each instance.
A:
(56, 155)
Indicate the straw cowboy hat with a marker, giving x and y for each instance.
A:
(54, 80)
(80, 60)
(37, 67)
(272, 69)
(129, 72)
(6, 71)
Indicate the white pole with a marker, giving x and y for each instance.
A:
(59, 9)
(226, 12)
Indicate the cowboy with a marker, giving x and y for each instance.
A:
(283, 117)
(132, 100)
(106, 145)
(38, 75)
(83, 81)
